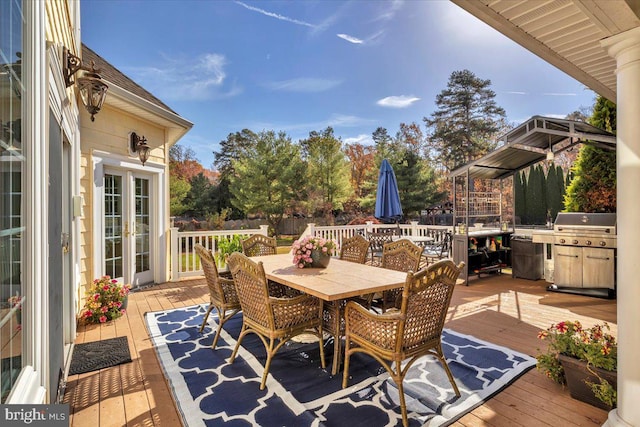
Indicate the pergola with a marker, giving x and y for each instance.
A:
(598, 44)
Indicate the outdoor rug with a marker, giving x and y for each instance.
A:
(95, 355)
(210, 392)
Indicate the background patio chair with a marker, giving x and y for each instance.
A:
(377, 241)
(222, 292)
(259, 244)
(413, 331)
(274, 320)
(401, 255)
(440, 248)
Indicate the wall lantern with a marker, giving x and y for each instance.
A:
(138, 144)
(92, 88)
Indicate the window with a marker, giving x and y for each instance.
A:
(11, 211)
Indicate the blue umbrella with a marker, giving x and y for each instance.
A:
(388, 207)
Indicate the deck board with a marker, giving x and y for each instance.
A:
(496, 308)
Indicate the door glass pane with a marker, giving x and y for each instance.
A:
(113, 225)
(13, 305)
(142, 224)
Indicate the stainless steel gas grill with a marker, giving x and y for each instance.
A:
(585, 253)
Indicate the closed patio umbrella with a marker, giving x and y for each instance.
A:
(388, 207)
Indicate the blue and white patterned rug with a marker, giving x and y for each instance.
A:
(211, 392)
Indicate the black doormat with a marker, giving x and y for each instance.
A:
(95, 355)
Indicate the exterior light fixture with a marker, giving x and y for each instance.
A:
(92, 88)
(138, 144)
(550, 156)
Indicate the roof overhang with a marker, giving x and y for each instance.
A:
(529, 144)
(565, 33)
(129, 102)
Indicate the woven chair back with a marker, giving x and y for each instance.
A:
(210, 272)
(425, 302)
(355, 249)
(251, 286)
(259, 244)
(401, 255)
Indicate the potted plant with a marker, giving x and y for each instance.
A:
(225, 246)
(584, 359)
(311, 251)
(106, 299)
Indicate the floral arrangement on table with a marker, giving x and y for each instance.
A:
(304, 247)
(595, 346)
(105, 300)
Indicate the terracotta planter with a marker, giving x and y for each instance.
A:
(576, 374)
(320, 259)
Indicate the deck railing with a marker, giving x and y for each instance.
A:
(184, 262)
(340, 232)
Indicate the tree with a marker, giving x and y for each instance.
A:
(361, 163)
(267, 177)
(178, 190)
(520, 197)
(235, 146)
(200, 199)
(593, 186)
(467, 120)
(416, 184)
(327, 179)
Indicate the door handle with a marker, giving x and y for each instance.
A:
(126, 229)
(65, 243)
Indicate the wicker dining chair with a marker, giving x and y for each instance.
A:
(222, 292)
(409, 333)
(356, 249)
(401, 255)
(259, 244)
(274, 320)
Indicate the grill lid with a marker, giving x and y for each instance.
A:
(578, 220)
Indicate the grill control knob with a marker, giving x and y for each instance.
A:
(588, 243)
(562, 240)
(603, 243)
(575, 242)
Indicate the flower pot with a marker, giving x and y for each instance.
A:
(577, 375)
(320, 259)
(125, 302)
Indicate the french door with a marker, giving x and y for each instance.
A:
(127, 227)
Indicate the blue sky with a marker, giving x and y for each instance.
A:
(299, 66)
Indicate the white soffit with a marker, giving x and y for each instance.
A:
(565, 33)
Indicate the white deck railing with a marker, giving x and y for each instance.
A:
(339, 232)
(184, 262)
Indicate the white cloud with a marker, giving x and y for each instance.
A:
(391, 8)
(363, 139)
(401, 101)
(559, 94)
(204, 79)
(350, 39)
(304, 85)
(276, 15)
(515, 92)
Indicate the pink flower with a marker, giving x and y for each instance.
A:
(103, 319)
(104, 309)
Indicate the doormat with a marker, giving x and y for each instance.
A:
(95, 355)
(209, 391)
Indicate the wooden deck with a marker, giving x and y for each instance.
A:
(499, 309)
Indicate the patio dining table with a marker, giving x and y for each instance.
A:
(334, 285)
